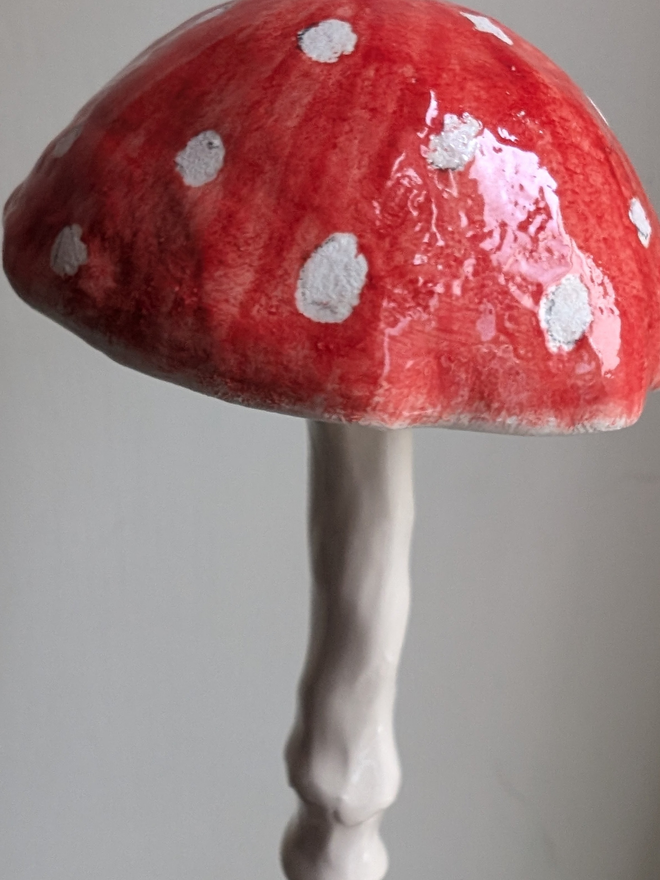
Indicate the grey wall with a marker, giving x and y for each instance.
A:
(153, 601)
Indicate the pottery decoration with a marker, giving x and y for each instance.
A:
(373, 215)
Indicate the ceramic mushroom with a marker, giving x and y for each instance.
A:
(373, 215)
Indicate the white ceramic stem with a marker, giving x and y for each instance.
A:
(341, 755)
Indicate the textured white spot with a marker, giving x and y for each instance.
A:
(69, 252)
(565, 314)
(638, 216)
(202, 159)
(456, 146)
(488, 27)
(331, 280)
(67, 140)
(328, 40)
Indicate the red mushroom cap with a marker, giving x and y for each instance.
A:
(394, 212)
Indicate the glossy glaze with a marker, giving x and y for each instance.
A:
(468, 243)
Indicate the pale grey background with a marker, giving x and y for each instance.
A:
(153, 603)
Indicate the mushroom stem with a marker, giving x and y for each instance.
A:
(341, 755)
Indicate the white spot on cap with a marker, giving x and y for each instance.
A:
(638, 216)
(67, 140)
(488, 27)
(202, 159)
(331, 280)
(565, 313)
(69, 252)
(457, 144)
(328, 40)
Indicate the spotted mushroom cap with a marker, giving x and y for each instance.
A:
(393, 212)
